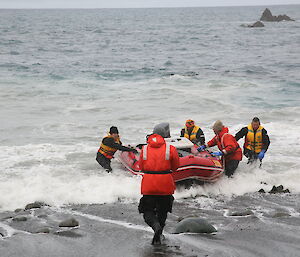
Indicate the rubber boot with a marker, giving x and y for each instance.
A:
(157, 233)
(108, 170)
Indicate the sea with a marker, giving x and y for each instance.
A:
(67, 75)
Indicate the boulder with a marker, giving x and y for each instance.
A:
(257, 24)
(42, 216)
(261, 191)
(35, 205)
(242, 213)
(43, 230)
(194, 225)
(69, 223)
(267, 16)
(20, 218)
(68, 233)
(281, 214)
(188, 216)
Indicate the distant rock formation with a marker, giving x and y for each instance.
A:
(267, 16)
(257, 24)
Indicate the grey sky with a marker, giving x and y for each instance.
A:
(134, 3)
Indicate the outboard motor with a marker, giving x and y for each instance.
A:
(162, 129)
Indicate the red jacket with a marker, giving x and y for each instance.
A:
(227, 144)
(157, 159)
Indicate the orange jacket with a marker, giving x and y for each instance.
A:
(157, 159)
(227, 144)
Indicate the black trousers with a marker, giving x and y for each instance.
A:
(230, 167)
(250, 154)
(155, 209)
(103, 161)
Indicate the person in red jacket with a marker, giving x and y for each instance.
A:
(157, 161)
(229, 148)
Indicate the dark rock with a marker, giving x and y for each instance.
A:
(18, 210)
(242, 213)
(67, 234)
(3, 232)
(69, 223)
(279, 189)
(281, 214)
(267, 16)
(20, 218)
(261, 191)
(42, 216)
(43, 231)
(194, 225)
(273, 190)
(35, 205)
(257, 24)
(7, 217)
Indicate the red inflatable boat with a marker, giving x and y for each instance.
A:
(201, 167)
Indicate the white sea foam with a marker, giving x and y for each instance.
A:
(69, 174)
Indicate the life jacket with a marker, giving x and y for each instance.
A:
(253, 139)
(157, 159)
(108, 151)
(227, 144)
(192, 136)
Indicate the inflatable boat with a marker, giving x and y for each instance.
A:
(193, 165)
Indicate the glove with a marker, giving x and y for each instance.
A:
(261, 155)
(134, 151)
(217, 153)
(201, 148)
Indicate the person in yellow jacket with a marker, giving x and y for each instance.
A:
(257, 140)
(110, 144)
(193, 133)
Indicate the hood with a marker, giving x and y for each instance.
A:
(223, 131)
(156, 141)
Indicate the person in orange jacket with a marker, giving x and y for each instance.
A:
(229, 148)
(157, 161)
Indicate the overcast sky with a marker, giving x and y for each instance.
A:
(134, 3)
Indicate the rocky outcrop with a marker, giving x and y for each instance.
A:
(268, 16)
(194, 225)
(276, 190)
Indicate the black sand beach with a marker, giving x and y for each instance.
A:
(118, 230)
